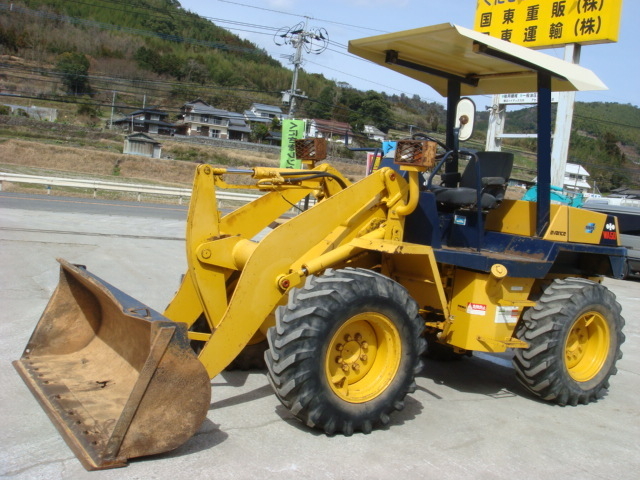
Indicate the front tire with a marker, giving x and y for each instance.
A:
(345, 350)
(574, 334)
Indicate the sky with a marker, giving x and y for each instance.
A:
(617, 64)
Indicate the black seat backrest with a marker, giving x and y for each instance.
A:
(492, 164)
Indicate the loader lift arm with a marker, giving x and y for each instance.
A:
(373, 208)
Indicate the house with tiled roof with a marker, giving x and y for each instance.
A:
(198, 118)
(332, 130)
(262, 113)
(146, 120)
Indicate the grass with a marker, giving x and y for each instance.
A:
(51, 149)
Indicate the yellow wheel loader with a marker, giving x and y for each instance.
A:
(350, 293)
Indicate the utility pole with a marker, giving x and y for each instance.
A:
(113, 103)
(497, 114)
(312, 41)
(297, 41)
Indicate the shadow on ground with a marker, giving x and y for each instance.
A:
(482, 374)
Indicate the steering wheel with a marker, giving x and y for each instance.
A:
(424, 136)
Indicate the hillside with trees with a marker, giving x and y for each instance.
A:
(605, 140)
(88, 56)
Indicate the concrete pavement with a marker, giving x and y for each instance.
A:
(467, 419)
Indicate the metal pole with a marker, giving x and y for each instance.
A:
(453, 97)
(297, 61)
(544, 153)
(564, 119)
(113, 102)
(496, 125)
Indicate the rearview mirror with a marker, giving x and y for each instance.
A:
(465, 118)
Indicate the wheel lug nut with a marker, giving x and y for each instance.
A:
(358, 337)
(347, 338)
(339, 347)
(345, 367)
(339, 360)
(355, 367)
(364, 345)
(363, 357)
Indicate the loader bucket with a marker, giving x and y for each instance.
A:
(116, 378)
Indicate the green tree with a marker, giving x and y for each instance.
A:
(323, 107)
(375, 110)
(259, 132)
(74, 68)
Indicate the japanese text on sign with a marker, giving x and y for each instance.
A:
(291, 130)
(524, 98)
(544, 23)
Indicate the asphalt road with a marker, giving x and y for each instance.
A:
(467, 419)
(58, 204)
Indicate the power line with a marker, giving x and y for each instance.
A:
(116, 79)
(355, 76)
(599, 120)
(173, 38)
(148, 85)
(15, 8)
(304, 16)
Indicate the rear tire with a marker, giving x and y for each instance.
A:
(574, 334)
(626, 270)
(345, 350)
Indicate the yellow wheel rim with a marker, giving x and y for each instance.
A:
(587, 346)
(363, 357)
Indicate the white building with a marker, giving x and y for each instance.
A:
(201, 119)
(261, 113)
(374, 133)
(575, 178)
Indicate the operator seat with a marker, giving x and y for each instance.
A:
(495, 170)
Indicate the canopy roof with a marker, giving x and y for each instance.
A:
(483, 64)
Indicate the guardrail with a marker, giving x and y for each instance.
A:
(96, 185)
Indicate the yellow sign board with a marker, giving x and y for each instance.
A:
(547, 23)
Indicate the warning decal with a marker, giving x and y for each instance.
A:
(476, 309)
(507, 314)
